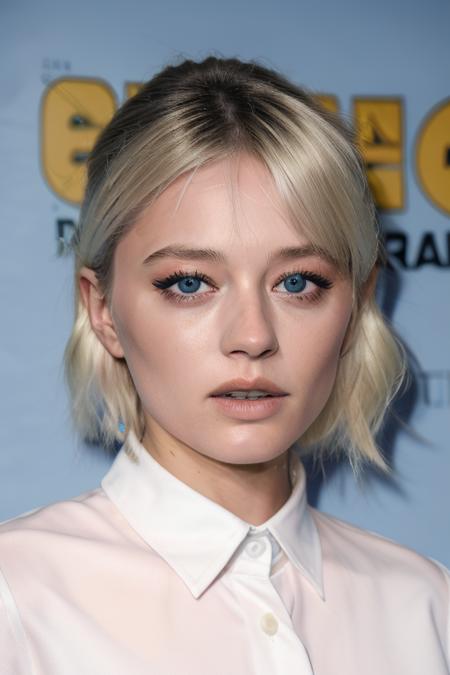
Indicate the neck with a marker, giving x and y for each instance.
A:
(229, 485)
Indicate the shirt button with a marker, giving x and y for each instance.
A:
(269, 624)
(255, 548)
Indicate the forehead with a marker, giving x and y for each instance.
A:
(231, 200)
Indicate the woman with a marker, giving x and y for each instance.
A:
(225, 265)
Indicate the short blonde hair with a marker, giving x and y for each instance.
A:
(199, 112)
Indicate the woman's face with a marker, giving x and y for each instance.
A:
(183, 339)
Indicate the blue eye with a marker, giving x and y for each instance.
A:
(297, 282)
(188, 284)
(191, 284)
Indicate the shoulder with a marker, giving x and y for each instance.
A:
(56, 545)
(389, 590)
(58, 529)
(60, 517)
(391, 568)
(362, 549)
(36, 548)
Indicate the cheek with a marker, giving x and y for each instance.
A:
(318, 361)
(160, 355)
(328, 352)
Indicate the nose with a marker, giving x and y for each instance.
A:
(247, 326)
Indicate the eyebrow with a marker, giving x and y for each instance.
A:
(182, 252)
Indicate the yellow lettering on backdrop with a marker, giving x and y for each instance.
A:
(132, 88)
(328, 101)
(379, 129)
(74, 111)
(433, 156)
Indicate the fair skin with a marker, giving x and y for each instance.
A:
(242, 322)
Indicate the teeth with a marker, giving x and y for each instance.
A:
(253, 394)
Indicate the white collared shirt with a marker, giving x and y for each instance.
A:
(144, 575)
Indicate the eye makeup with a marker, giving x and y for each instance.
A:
(311, 284)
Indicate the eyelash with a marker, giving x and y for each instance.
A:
(322, 283)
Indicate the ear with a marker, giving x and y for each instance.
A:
(98, 311)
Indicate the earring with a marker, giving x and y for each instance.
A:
(121, 427)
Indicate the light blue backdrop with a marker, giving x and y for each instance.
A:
(348, 49)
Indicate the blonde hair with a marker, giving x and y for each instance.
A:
(184, 117)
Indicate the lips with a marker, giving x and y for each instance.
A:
(240, 384)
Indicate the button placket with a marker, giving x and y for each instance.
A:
(273, 640)
(256, 548)
(269, 623)
(255, 558)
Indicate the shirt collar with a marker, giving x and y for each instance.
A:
(195, 535)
